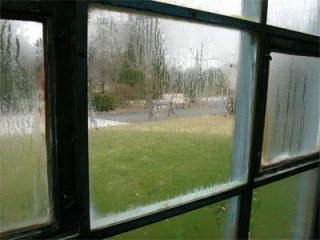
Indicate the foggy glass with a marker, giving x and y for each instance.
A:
(245, 9)
(298, 15)
(293, 108)
(204, 223)
(285, 209)
(162, 97)
(24, 197)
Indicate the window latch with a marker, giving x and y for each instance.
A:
(268, 57)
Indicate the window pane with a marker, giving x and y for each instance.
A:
(245, 9)
(292, 116)
(161, 111)
(205, 223)
(298, 15)
(24, 197)
(284, 210)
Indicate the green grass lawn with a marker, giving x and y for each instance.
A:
(23, 181)
(144, 163)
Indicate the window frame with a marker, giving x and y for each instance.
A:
(296, 48)
(66, 70)
(51, 226)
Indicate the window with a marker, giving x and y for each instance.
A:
(292, 115)
(24, 198)
(161, 109)
(158, 119)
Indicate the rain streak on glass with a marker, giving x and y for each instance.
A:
(24, 197)
(298, 15)
(161, 112)
(293, 108)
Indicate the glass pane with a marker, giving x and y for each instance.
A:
(293, 108)
(205, 223)
(24, 197)
(298, 15)
(284, 210)
(245, 9)
(161, 111)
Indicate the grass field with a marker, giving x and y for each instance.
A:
(23, 181)
(143, 163)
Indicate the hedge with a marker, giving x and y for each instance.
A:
(103, 102)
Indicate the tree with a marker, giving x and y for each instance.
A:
(127, 58)
(21, 68)
(105, 55)
(16, 81)
(143, 66)
(6, 83)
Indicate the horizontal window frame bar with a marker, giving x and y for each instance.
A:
(211, 18)
(109, 231)
(39, 233)
(288, 163)
(294, 47)
(294, 170)
(22, 16)
(26, 10)
(184, 13)
(291, 34)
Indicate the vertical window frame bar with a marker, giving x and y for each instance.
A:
(316, 230)
(245, 200)
(63, 39)
(81, 106)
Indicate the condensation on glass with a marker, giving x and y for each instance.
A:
(285, 209)
(24, 196)
(210, 222)
(244, 9)
(293, 108)
(162, 96)
(298, 15)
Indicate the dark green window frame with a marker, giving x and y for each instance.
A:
(65, 38)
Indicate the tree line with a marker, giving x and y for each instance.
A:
(128, 59)
(19, 69)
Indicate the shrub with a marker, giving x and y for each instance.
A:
(103, 102)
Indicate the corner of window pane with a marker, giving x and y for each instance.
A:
(285, 209)
(298, 15)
